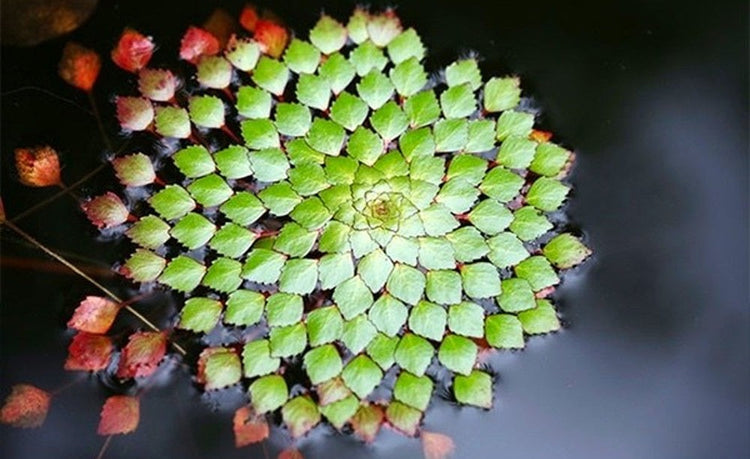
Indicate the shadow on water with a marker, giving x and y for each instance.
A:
(654, 359)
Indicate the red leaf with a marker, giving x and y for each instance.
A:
(26, 406)
(540, 136)
(133, 50)
(134, 113)
(271, 36)
(89, 352)
(249, 17)
(95, 314)
(249, 428)
(436, 445)
(196, 43)
(106, 211)
(38, 166)
(120, 415)
(291, 453)
(142, 355)
(79, 66)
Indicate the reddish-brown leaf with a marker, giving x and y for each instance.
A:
(196, 43)
(249, 17)
(95, 314)
(436, 445)
(271, 36)
(88, 352)
(120, 415)
(38, 166)
(26, 406)
(367, 421)
(249, 428)
(291, 453)
(106, 211)
(221, 25)
(133, 50)
(540, 136)
(142, 355)
(79, 66)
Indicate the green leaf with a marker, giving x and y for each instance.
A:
(334, 238)
(566, 251)
(193, 231)
(300, 414)
(299, 275)
(259, 134)
(328, 35)
(382, 350)
(144, 266)
(365, 146)
(549, 159)
(406, 45)
(338, 71)
(243, 208)
(501, 184)
(293, 119)
(358, 333)
(468, 244)
(504, 331)
(172, 122)
(243, 54)
(311, 213)
(406, 283)
(490, 217)
(458, 354)
(367, 58)
(501, 94)
(542, 319)
(210, 191)
(422, 109)
(149, 232)
(182, 274)
(516, 152)
(232, 240)
(257, 360)
(288, 341)
(335, 269)
(233, 162)
(283, 309)
(389, 121)
(464, 71)
(271, 75)
(403, 250)
(221, 367)
(244, 307)
(506, 250)
(352, 297)
(404, 418)
(324, 325)
(339, 413)
(374, 269)
(538, 272)
(436, 253)
(172, 202)
(516, 296)
(474, 389)
(428, 320)
(263, 266)
(200, 315)
(326, 136)
(451, 134)
(481, 136)
(332, 391)
(301, 57)
(513, 123)
(528, 223)
(481, 280)
(458, 101)
(349, 111)
(375, 89)
(388, 315)
(223, 275)
(468, 168)
(313, 91)
(253, 102)
(279, 198)
(362, 243)
(408, 77)
(414, 354)
(268, 393)
(428, 168)
(414, 391)
(547, 194)
(457, 195)
(206, 111)
(362, 375)
(340, 170)
(214, 72)
(269, 165)
(323, 363)
(443, 287)
(392, 164)
(438, 220)
(466, 319)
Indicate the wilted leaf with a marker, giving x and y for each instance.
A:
(120, 415)
(248, 427)
(38, 166)
(25, 407)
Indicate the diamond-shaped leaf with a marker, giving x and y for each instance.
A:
(451, 134)
(382, 350)
(547, 194)
(414, 354)
(406, 283)
(149, 232)
(464, 71)
(422, 109)
(501, 94)
(223, 275)
(349, 111)
(172, 202)
(335, 269)
(414, 391)
(323, 363)
(501, 184)
(474, 389)
(375, 89)
(233, 162)
(541, 319)
(280, 198)
(271, 75)
(358, 333)
(338, 71)
(481, 280)
(253, 102)
(428, 320)
(263, 266)
(182, 274)
(408, 77)
(466, 319)
(388, 315)
(300, 414)
(143, 266)
(404, 418)
(367, 58)
(538, 272)
(244, 307)
(506, 250)
(243, 208)
(313, 91)
(288, 341)
(362, 375)
(389, 121)
(210, 191)
(328, 35)
(516, 152)
(259, 133)
(444, 287)
(207, 111)
(566, 251)
(528, 223)
(324, 325)
(232, 240)
(299, 275)
(326, 136)
(514, 123)
(301, 57)
(365, 146)
(374, 269)
(352, 297)
(200, 315)
(458, 101)
(458, 354)
(468, 244)
(549, 159)
(504, 331)
(268, 393)
(257, 360)
(490, 217)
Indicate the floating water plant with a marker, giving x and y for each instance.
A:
(348, 212)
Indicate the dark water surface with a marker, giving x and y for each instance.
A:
(655, 358)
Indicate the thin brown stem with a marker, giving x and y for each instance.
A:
(104, 447)
(67, 385)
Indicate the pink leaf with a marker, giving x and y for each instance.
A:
(25, 407)
(196, 43)
(142, 355)
(134, 113)
(133, 50)
(157, 84)
(106, 211)
(436, 445)
(120, 415)
(249, 428)
(95, 314)
(89, 352)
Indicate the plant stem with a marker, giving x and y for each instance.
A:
(99, 123)
(104, 447)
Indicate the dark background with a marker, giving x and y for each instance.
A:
(655, 358)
